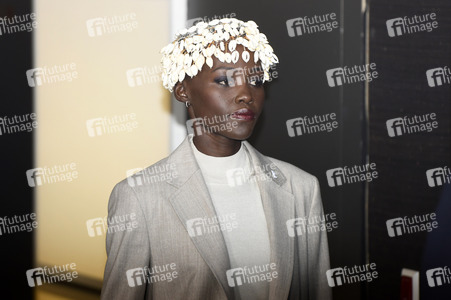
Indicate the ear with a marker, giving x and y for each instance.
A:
(180, 92)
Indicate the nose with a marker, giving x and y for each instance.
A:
(244, 94)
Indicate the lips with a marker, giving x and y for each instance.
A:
(243, 114)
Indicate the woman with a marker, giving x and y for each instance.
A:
(226, 222)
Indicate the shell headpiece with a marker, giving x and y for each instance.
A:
(194, 47)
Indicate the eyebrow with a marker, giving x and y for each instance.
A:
(232, 68)
(222, 67)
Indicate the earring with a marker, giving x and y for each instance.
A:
(187, 104)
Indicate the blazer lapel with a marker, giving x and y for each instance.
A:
(192, 202)
(278, 204)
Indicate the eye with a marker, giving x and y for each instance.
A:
(222, 81)
(257, 81)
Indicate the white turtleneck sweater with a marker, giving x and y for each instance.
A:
(248, 243)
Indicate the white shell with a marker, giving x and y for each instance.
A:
(220, 56)
(181, 75)
(232, 45)
(221, 46)
(246, 56)
(228, 57)
(195, 56)
(256, 56)
(235, 56)
(209, 61)
(200, 62)
(194, 70)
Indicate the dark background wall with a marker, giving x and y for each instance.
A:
(16, 154)
(362, 111)
(402, 188)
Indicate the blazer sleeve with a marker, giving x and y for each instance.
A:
(126, 249)
(318, 253)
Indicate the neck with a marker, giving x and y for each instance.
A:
(216, 145)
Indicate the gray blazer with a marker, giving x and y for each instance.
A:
(160, 205)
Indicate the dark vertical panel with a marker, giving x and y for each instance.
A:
(302, 90)
(401, 90)
(15, 154)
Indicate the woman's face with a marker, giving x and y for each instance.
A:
(228, 97)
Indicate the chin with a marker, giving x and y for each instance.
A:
(239, 135)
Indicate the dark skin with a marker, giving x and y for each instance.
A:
(210, 94)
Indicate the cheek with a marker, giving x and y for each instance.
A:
(213, 101)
